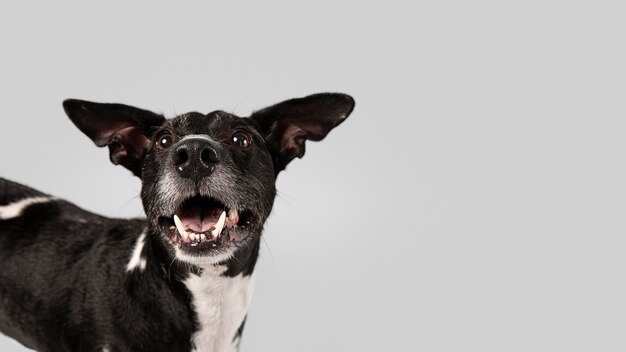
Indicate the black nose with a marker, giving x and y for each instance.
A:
(195, 159)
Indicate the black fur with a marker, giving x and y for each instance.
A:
(64, 283)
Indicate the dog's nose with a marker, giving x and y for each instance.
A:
(195, 159)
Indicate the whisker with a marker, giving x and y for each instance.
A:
(234, 110)
(131, 199)
(283, 197)
(269, 249)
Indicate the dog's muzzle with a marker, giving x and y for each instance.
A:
(202, 224)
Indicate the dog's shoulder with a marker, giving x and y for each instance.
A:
(16, 200)
(24, 205)
(12, 192)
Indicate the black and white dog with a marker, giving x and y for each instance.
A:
(178, 281)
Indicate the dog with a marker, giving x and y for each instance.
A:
(179, 280)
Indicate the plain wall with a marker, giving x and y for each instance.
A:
(474, 201)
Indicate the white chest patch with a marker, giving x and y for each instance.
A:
(15, 209)
(220, 304)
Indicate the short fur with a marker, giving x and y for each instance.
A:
(77, 281)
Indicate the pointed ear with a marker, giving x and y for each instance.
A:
(126, 130)
(287, 125)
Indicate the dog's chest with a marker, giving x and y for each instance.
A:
(220, 303)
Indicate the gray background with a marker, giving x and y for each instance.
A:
(474, 201)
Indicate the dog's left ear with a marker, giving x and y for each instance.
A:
(126, 130)
(287, 125)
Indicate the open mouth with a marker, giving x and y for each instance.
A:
(203, 223)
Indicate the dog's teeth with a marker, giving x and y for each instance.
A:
(202, 237)
(219, 225)
(192, 236)
(233, 217)
(180, 227)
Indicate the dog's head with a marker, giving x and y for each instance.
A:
(209, 179)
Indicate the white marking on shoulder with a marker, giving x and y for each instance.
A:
(15, 209)
(221, 304)
(136, 260)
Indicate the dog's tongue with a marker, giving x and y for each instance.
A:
(199, 219)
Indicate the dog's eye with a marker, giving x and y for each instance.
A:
(242, 139)
(164, 141)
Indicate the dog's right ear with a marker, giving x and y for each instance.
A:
(286, 126)
(126, 130)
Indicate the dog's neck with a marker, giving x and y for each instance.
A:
(219, 294)
(220, 303)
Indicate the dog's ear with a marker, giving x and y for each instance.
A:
(126, 130)
(287, 125)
